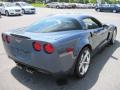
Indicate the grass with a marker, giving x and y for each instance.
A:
(38, 4)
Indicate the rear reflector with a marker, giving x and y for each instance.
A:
(69, 49)
(36, 46)
(48, 48)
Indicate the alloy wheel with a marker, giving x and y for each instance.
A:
(84, 62)
(6, 13)
(114, 11)
(98, 10)
(114, 36)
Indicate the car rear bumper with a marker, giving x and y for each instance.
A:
(56, 65)
(58, 62)
(61, 70)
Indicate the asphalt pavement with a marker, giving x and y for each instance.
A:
(103, 74)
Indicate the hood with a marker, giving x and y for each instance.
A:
(12, 8)
(27, 7)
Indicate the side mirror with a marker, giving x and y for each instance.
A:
(104, 25)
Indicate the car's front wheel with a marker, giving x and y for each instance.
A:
(98, 10)
(114, 11)
(57, 7)
(6, 13)
(113, 39)
(23, 11)
(83, 62)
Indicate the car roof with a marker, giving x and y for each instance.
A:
(19, 2)
(72, 16)
(5, 2)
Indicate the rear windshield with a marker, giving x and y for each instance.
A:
(54, 25)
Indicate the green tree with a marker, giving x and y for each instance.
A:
(92, 1)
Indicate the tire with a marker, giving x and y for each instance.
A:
(20, 14)
(114, 11)
(57, 7)
(6, 13)
(113, 39)
(98, 10)
(0, 15)
(83, 63)
(23, 11)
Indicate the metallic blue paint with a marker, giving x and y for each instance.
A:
(60, 62)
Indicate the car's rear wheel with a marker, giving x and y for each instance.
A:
(23, 11)
(83, 62)
(113, 39)
(6, 13)
(98, 10)
(114, 11)
(57, 7)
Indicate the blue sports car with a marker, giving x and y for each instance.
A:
(58, 45)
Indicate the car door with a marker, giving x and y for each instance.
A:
(108, 7)
(112, 7)
(98, 33)
(101, 29)
(17, 4)
(1, 8)
(103, 7)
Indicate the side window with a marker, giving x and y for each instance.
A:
(1, 5)
(71, 24)
(91, 23)
(17, 4)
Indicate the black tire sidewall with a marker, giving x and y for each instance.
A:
(23, 11)
(111, 41)
(98, 10)
(6, 13)
(114, 10)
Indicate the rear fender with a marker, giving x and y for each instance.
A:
(81, 44)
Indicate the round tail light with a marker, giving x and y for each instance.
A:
(48, 48)
(37, 46)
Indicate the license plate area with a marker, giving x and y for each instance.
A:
(20, 53)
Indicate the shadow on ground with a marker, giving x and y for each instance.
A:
(40, 81)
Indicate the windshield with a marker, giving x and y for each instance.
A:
(118, 5)
(24, 4)
(9, 4)
(54, 25)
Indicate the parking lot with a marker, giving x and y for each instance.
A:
(104, 72)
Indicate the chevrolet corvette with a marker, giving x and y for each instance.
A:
(58, 45)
